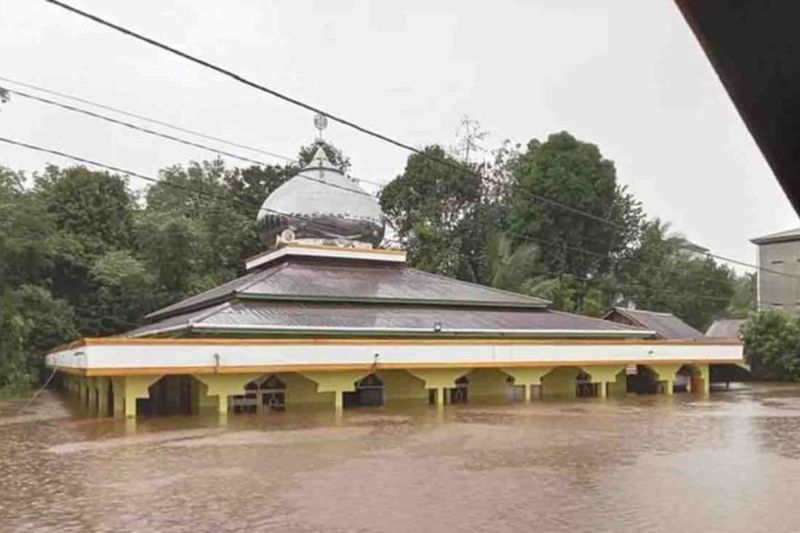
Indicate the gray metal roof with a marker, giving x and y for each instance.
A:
(241, 316)
(666, 325)
(352, 281)
(781, 236)
(726, 328)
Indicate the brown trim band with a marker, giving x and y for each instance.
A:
(157, 371)
(206, 341)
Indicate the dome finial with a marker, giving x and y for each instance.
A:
(321, 123)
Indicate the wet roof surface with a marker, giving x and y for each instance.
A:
(726, 328)
(282, 315)
(349, 280)
(665, 324)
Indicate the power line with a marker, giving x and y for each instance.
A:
(250, 160)
(147, 119)
(154, 121)
(254, 161)
(156, 180)
(345, 122)
(176, 139)
(246, 204)
(312, 108)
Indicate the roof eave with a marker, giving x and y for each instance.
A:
(213, 329)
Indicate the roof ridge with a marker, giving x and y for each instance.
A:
(617, 325)
(261, 276)
(626, 310)
(533, 299)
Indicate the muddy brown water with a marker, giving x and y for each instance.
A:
(730, 462)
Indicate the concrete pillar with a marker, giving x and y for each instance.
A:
(602, 376)
(224, 385)
(91, 396)
(102, 385)
(441, 396)
(136, 387)
(705, 373)
(439, 379)
(118, 385)
(527, 377)
(338, 400)
(336, 382)
(666, 374)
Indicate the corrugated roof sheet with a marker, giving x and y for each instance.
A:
(346, 281)
(787, 235)
(666, 325)
(280, 316)
(726, 328)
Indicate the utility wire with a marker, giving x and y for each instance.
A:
(216, 151)
(250, 160)
(345, 122)
(158, 181)
(176, 139)
(154, 121)
(217, 196)
(312, 108)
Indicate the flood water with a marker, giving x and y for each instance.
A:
(730, 462)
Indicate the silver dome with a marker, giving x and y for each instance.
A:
(320, 202)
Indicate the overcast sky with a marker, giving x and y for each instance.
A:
(626, 75)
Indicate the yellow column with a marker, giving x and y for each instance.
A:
(666, 374)
(135, 388)
(603, 375)
(527, 377)
(336, 382)
(439, 379)
(102, 384)
(705, 373)
(224, 385)
(118, 385)
(91, 396)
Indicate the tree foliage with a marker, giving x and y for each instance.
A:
(772, 345)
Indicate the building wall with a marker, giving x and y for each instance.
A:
(488, 383)
(774, 290)
(400, 386)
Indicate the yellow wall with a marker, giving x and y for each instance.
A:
(560, 382)
(488, 382)
(400, 386)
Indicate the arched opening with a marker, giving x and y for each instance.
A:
(369, 393)
(689, 378)
(460, 393)
(267, 393)
(170, 395)
(584, 388)
(641, 379)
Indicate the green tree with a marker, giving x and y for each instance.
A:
(570, 172)
(772, 345)
(433, 207)
(661, 274)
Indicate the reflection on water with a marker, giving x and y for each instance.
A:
(655, 464)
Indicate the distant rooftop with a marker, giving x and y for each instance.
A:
(781, 236)
(726, 328)
(666, 325)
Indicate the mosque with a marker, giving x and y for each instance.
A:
(325, 317)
